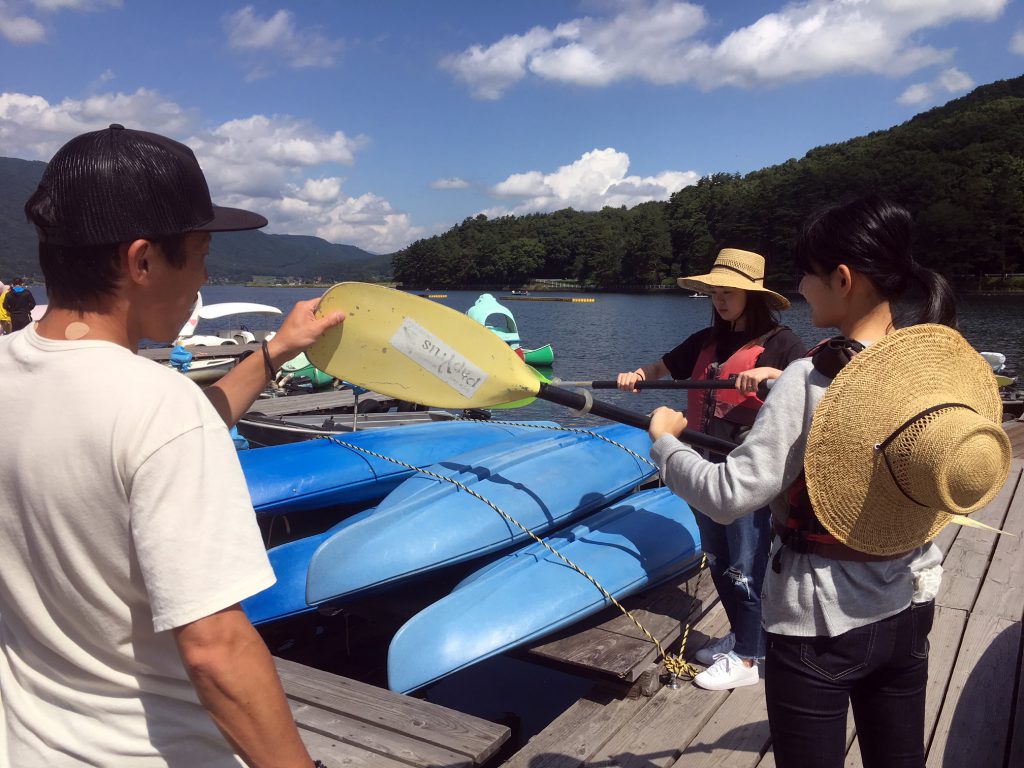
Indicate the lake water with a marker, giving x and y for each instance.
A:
(619, 332)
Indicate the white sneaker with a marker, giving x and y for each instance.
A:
(726, 673)
(707, 655)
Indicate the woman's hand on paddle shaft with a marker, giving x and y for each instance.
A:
(748, 381)
(666, 421)
(627, 381)
(301, 328)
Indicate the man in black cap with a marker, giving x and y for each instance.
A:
(127, 537)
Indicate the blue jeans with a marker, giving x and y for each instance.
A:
(737, 558)
(881, 669)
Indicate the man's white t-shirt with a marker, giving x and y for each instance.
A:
(123, 514)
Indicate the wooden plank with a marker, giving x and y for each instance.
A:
(313, 403)
(1015, 431)
(1002, 593)
(455, 731)
(966, 563)
(735, 737)
(660, 731)
(163, 354)
(573, 737)
(369, 738)
(621, 656)
(972, 728)
(612, 645)
(333, 752)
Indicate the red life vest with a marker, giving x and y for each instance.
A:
(728, 405)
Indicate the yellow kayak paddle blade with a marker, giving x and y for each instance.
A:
(415, 349)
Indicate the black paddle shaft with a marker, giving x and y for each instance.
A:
(729, 383)
(580, 402)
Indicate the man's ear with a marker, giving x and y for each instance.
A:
(137, 257)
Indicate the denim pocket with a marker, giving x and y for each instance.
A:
(922, 615)
(836, 657)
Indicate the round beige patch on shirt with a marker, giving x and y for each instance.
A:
(75, 331)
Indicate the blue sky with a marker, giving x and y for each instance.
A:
(376, 123)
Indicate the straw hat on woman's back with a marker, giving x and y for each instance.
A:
(735, 269)
(906, 440)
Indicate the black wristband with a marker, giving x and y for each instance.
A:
(318, 764)
(266, 359)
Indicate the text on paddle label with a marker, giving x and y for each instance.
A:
(436, 357)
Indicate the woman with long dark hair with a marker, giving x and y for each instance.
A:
(865, 450)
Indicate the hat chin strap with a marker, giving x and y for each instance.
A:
(880, 447)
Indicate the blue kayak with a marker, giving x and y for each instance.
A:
(643, 539)
(287, 597)
(542, 480)
(320, 473)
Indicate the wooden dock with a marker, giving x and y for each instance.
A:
(975, 702)
(344, 722)
(333, 401)
(163, 354)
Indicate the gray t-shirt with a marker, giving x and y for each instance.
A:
(811, 595)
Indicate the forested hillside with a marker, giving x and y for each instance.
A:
(959, 168)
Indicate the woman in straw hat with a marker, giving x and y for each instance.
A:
(863, 463)
(744, 340)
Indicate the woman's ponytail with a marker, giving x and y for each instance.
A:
(938, 304)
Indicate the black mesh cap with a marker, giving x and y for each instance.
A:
(118, 185)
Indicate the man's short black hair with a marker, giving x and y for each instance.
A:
(80, 278)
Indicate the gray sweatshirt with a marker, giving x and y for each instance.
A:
(813, 595)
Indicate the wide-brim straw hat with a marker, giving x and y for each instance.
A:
(906, 440)
(734, 268)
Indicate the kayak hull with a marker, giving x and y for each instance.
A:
(542, 481)
(314, 474)
(644, 539)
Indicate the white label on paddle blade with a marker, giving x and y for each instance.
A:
(436, 357)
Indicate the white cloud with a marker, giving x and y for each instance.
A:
(661, 41)
(76, 5)
(278, 35)
(1017, 42)
(32, 127)
(598, 178)
(451, 183)
(272, 164)
(19, 28)
(947, 82)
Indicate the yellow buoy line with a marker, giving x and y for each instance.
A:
(573, 299)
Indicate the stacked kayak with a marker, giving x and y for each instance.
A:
(320, 473)
(542, 480)
(635, 543)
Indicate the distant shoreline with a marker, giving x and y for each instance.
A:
(616, 289)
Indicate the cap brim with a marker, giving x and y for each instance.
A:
(232, 220)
